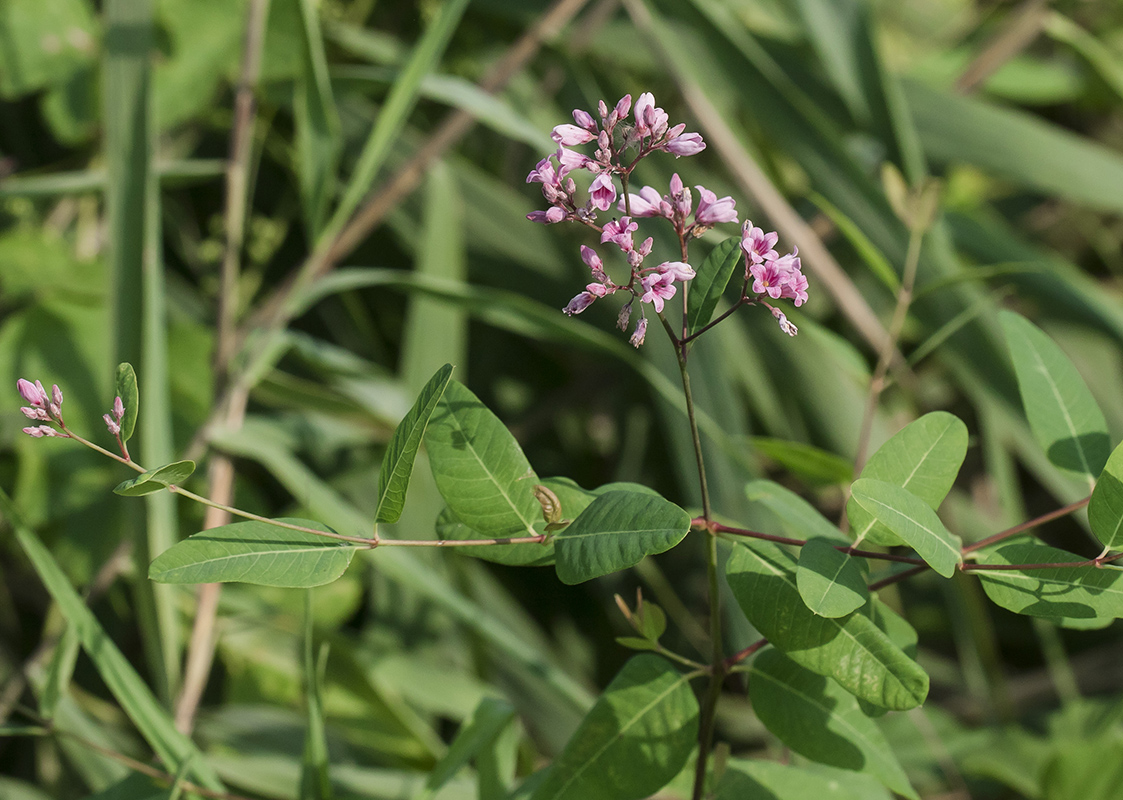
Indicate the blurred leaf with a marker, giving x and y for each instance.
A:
(1105, 509)
(129, 689)
(255, 552)
(1076, 592)
(1017, 146)
(800, 520)
(315, 781)
(636, 737)
(1103, 60)
(479, 468)
(923, 457)
(477, 733)
(808, 462)
(1061, 411)
(397, 463)
(399, 103)
(318, 139)
(852, 649)
(709, 284)
(59, 672)
(877, 262)
(156, 480)
(818, 719)
(767, 780)
(831, 582)
(45, 42)
(1085, 770)
(615, 532)
(911, 520)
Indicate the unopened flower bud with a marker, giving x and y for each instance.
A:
(54, 410)
(118, 408)
(56, 395)
(640, 332)
(785, 326)
(37, 414)
(113, 427)
(40, 431)
(32, 392)
(623, 317)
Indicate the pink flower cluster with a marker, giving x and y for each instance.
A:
(650, 131)
(41, 408)
(772, 274)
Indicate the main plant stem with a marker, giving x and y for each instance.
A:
(717, 668)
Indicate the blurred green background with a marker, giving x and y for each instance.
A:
(407, 225)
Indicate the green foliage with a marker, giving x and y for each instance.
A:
(1064, 417)
(830, 581)
(130, 397)
(1105, 509)
(255, 552)
(850, 649)
(815, 717)
(397, 464)
(1079, 592)
(710, 281)
(156, 480)
(614, 532)
(636, 737)
(911, 520)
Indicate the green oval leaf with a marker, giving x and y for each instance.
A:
(850, 649)
(255, 552)
(1061, 411)
(912, 520)
(156, 480)
(1073, 592)
(923, 457)
(1105, 509)
(479, 468)
(615, 532)
(832, 583)
(130, 397)
(634, 740)
(710, 281)
(817, 718)
(397, 464)
(573, 500)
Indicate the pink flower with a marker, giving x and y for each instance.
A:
(571, 135)
(623, 106)
(584, 119)
(648, 203)
(602, 193)
(757, 244)
(650, 119)
(547, 217)
(687, 144)
(789, 262)
(658, 287)
(40, 431)
(785, 326)
(592, 260)
(711, 210)
(678, 270)
(118, 408)
(619, 232)
(37, 414)
(768, 279)
(570, 160)
(680, 197)
(640, 332)
(114, 427)
(579, 303)
(33, 393)
(543, 172)
(795, 288)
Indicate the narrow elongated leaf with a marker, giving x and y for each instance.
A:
(315, 781)
(923, 457)
(911, 520)
(130, 397)
(477, 733)
(832, 583)
(635, 738)
(710, 282)
(397, 464)
(255, 552)
(1061, 411)
(615, 532)
(851, 649)
(800, 520)
(767, 780)
(479, 468)
(812, 464)
(318, 140)
(129, 689)
(1074, 592)
(814, 716)
(156, 480)
(1105, 509)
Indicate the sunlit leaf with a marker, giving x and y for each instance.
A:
(1074, 592)
(156, 480)
(911, 520)
(831, 582)
(1105, 509)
